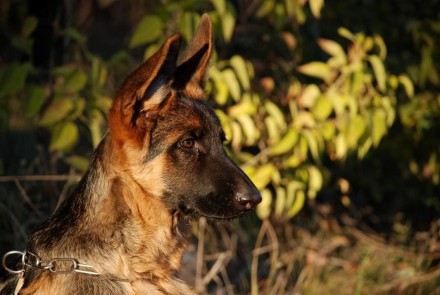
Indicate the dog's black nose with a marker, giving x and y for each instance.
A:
(249, 201)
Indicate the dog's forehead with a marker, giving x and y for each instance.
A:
(187, 114)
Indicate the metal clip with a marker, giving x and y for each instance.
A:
(53, 265)
(10, 270)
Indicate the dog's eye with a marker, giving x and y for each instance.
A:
(188, 143)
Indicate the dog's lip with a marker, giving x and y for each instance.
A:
(222, 217)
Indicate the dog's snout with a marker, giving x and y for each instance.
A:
(249, 200)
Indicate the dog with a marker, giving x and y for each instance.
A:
(162, 163)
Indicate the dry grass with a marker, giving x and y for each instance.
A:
(289, 259)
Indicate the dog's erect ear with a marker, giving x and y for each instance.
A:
(194, 62)
(144, 88)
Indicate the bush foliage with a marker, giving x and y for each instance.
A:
(310, 104)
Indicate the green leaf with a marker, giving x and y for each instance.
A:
(379, 71)
(150, 50)
(239, 66)
(75, 82)
(188, 24)
(29, 25)
(286, 143)
(13, 78)
(313, 144)
(36, 98)
(220, 6)
(64, 136)
(56, 111)
(228, 23)
(95, 127)
(381, 45)
(274, 111)
(265, 8)
(149, 29)
(75, 35)
(316, 69)
(78, 162)
(379, 126)
(407, 84)
(356, 129)
(322, 108)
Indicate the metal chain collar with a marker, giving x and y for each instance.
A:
(55, 265)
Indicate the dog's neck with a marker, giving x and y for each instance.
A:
(113, 224)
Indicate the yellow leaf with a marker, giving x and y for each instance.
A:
(231, 81)
(340, 147)
(265, 8)
(322, 108)
(249, 129)
(379, 71)
(356, 129)
(344, 32)
(226, 123)
(315, 7)
(64, 136)
(56, 111)
(280, 201)
(407, 84)
(220, 6)
(298, 203)
(335, 50)
(315, 181)
(378, 128)
(275, 112)
(273, 132)
(265, 207)
(228, 23)
(237, 136)
(240, 68)
(309, 95)
(316, 69)
(286, 144)
(263, 175)
(148, 30)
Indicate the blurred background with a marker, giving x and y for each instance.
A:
(331, 107)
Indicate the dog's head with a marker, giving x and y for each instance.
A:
(170, 141)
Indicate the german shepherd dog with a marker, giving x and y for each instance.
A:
(161, 164)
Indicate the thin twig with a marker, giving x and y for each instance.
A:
(254, 264)
(403, 283)
(26, 198)
(219, 263)
(228, 284)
